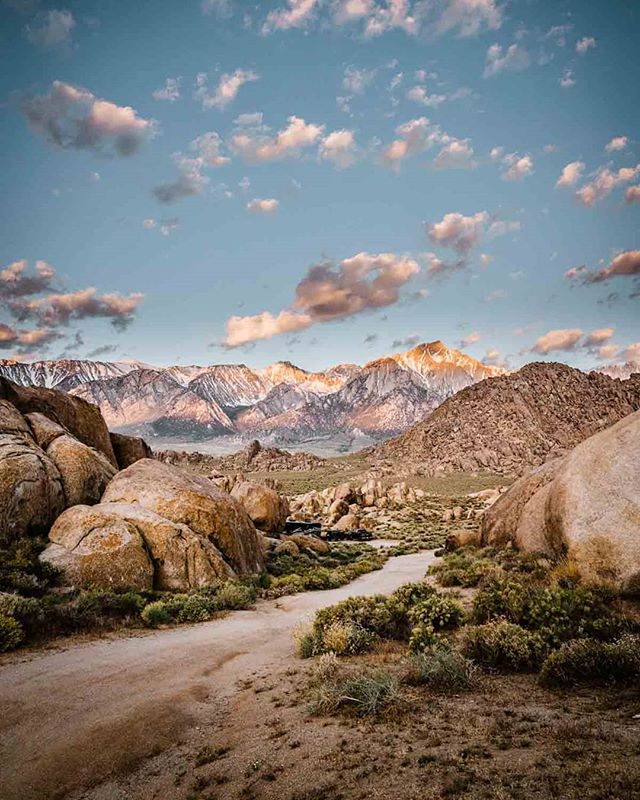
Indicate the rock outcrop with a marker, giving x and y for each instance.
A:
(120, 545)
(129, 449)
(585, 506)
(513, 422)
(193, 501)
(31, 491)
(267, 509)
(80, 418)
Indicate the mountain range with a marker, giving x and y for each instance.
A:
(281, 402)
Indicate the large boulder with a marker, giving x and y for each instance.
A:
(92, 549)
(193, 501)
(129, 449)
(267, 509)
(585, 506)
(179, 559)
(85, 472)
(31, 493)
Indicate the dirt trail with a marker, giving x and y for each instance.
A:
(72, 718)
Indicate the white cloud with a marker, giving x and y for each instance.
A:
(413, 137)
(598, 337)
(567, 81)
(227, 89)
(208, 147)
(52, 29)
(458, 232)
(617, 143)
(420, 95)
(297, 14)
(571, 174)
(632, 195)
(263, 206)
(469, 339)
(562, 339)
(515, 58)
(356, 80)
(519, 167)
(339, 147)
(585, 44)
(457, 154)
(170, 91)
(255, 143)
(468, 17)
(604, 182)
(71, 117)
(329, 292)
(625, 264)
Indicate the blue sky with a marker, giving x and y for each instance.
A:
(400, 185)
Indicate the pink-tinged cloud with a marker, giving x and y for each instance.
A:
(339, 147)
(570, 174)
(604, 182)
(253, 141)
(73, 118)
(296, 14)
(59, 309)
(563, 339)
(329, 292)
(625, 264)
(514, 58)
(598, 337)
(617, 143)
(469, 339)
(15, 282)
(632, 195)
(263, 206)
(227, 89)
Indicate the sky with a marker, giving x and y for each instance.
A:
(320, 181)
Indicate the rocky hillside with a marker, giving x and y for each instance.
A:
(282, 401)
(513, 421)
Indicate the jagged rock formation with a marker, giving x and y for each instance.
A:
(282, 400)
(252, 458)
(512, 422)
(585, 505)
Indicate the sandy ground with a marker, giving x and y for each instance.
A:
(84, 716)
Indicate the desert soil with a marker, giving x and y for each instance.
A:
(118, 718)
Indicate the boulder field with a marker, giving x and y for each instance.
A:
(585, 505)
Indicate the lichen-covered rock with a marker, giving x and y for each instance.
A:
(80, 418)
(129, 449)
(585, 506)
(179, 558)
(31, 494)
(94, 550)
(267, 509)
(193, 501)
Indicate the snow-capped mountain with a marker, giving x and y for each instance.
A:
(382, 398)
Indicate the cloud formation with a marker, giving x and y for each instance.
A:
(571, 174)
(52, 30)
(339, 147)
(617, 143)
(625, 264)
(192, 180)
(461, 233)
(227, 89)
(255, 143)
(469, 339)
(329, 292)
(562, 339)
(632, 195)
(457, 154)
(60, 309)
(585, 44)
(170, 92)
(497, 61)
(15, 282)
(296, 14)
(265, 207)
(72, 118)
(356, 80)
(604, 182)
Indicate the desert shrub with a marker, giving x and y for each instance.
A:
(156, 614)
(197, 608)
(309, 642)
(431, 616)
(11, 634)
(464, 567)
(591, 661)
(365, 695)
(504, 598)
(372, 614)
(503, 645)
(443, 670)
(22, 571)
(346, 639)
(232, 596)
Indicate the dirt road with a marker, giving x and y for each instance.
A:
(70, 719)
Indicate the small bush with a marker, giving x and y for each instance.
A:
(372, 614)
(590, 661)
(156, 614)
(431, 616)
(442, 670)
(503, 645)
(346, 639)
(367, 695)
(197, 608)
(233, 596)
(11, 634)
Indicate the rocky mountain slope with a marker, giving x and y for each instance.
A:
(514, 421)
(281, 401)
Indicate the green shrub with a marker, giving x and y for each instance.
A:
(431, 616)
(197, 608)
(591, 661)
(156, 614)
(233, 595)
(22, 571)
(442, 670)
(11, 634)
(504, 598)
(503, 645)
(372, 614)
(346, 639)
(366, 695)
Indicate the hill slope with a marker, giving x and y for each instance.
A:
(513, 421)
